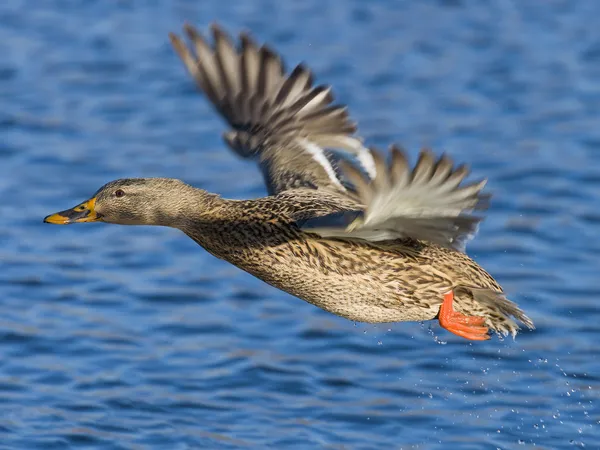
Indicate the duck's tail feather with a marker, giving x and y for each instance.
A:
(249, 87)
(497, 309)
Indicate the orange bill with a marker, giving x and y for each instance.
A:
(85, 212)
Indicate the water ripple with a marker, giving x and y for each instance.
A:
(123, 338)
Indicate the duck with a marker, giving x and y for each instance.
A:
(358, 233)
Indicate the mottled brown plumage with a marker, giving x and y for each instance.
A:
(344, 230)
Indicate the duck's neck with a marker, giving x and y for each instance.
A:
(203, 216)
(190, 207)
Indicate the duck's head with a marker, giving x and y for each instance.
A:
(134, 201)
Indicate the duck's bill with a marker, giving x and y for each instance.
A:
(85, 212)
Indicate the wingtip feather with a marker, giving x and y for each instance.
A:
(250, 88)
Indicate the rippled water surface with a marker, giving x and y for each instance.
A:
(134, 337)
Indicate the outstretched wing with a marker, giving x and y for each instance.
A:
(426, 203)
(282, 121)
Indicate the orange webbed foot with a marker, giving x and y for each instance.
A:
(469, 327)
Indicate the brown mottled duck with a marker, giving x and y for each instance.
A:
(368, 240)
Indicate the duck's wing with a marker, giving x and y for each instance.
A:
(281, 120)
(426, 203)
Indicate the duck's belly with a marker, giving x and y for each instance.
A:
(359, 299)
(365, 288)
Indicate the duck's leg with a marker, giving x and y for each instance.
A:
(469, 327)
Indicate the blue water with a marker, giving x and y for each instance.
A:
(134, 337)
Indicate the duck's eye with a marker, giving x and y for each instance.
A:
(119, 193)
